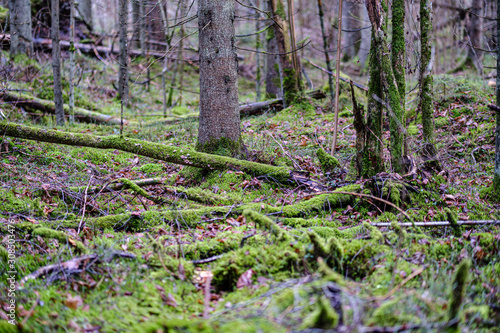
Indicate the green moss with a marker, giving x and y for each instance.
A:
(457, 295)
(60, 236)
(375, 233)
(390, 314)
(324, 317)
(4, 14)
(265, 223)
(328, 163)
(222, 147)
(150, 168)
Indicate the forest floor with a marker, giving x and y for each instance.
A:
(186, 253)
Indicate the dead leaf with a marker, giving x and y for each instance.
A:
(170, 300)
(73, 302)
(245, 279)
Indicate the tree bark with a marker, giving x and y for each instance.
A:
(496, 176)
(219, 129)
(290, 80)
(122, 61)
(273, 84)
(325, 49)
(85, 10)
(378, 17)
(56, 64)
(426, 79)
(350, 19)
(258, 45)
(372, 162)
(399, 47)
(21, 39)
(157, 151)
(72, 63)
(475, 31)
(366, 38)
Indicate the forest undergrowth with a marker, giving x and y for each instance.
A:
(111, 241)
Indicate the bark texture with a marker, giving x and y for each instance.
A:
(426, 79)
(21, 39)
(496, 177)
(122, 61)
(219, 130)
(85, 11)
(366, 37)
(475, 31)
(56, 63)
(398, 46)
(325, 48)
(72, 62)
(377, 15)
(273, 84)
(290, 80)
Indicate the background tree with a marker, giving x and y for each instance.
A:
(122, 61)
(273, 84)
(496, 177)
(219, 129)
(56, 63)
(426, 80)
(21, 40)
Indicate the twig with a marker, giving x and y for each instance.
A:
(264, 52)
(204, 261)
(84, 205)
(207, 296)
(30, 312)
(401, 284)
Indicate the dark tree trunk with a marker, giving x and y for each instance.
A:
(122, 61)
(219, 130)
(273, 84)
(21, 40)
(496, 177)
(475, 31)
(325, 48)
(56, 63)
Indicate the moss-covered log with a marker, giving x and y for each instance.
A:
(157, 151)
(32, 103)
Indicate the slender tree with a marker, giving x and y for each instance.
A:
(122, 61)
(426, 79)
(366, 38)
(337, 82)
(475, 31)
(496, 177)
(290, 79)
(351, 24)
(164, 17)
(56, 63)
(273, 84)
(21, 40)
(258, 45)
(398, 47)
(325, 48)
(378, 16)
(219, 129)
(72, 62)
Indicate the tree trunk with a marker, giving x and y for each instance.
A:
(85, 10)
(372, 157)
(378, 19)
(289, 78)
(475, 31)
(398, 47)
(496, 176)
(122, 61)
(164, 17)
(351, 23)
(258, 45)
(142, 27)
(219, 129)
(366, 38)
(325, 49)
(273, 84)
(56, 64)
(72, 62)
(157, 151)
(426, 80)
(21, 39)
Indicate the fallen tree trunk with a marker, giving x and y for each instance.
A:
(32, 103)
(157, 151)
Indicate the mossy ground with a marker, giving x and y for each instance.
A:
(161, 287)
